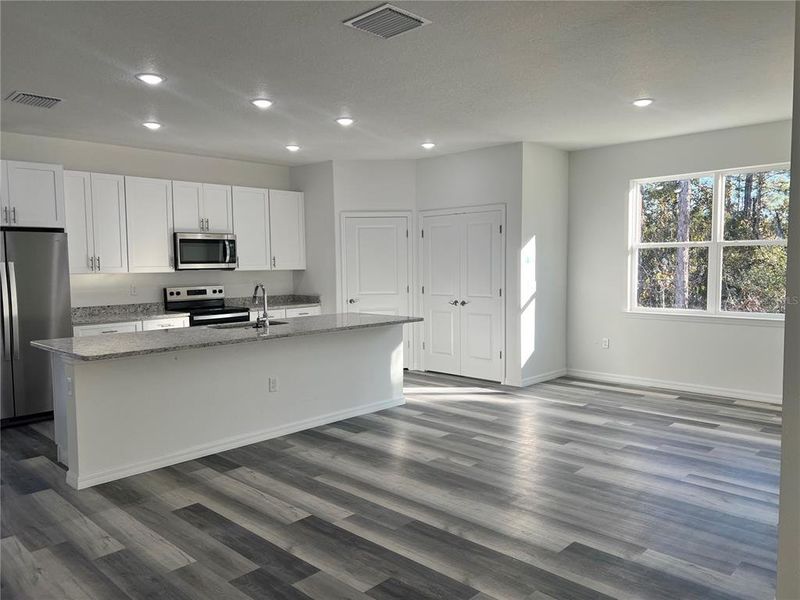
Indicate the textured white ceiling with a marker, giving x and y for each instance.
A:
(482, 73)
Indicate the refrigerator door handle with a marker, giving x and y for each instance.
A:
(6, 313)
(12, 288)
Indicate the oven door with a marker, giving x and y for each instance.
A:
(198, 251)
(212, 318)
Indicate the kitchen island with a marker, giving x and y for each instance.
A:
(132, 402)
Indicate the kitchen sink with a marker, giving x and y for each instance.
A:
(242, 325)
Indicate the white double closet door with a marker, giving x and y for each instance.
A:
(462, 271)
(376, 269)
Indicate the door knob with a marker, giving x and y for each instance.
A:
(353, 300)
(453, 302)
(464, 302)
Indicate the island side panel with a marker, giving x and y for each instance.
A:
(136, 414)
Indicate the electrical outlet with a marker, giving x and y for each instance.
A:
(273, 384)
(605, 343)
(133, 290)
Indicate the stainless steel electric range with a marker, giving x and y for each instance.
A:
(205, 305)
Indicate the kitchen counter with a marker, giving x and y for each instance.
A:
(120, 313)
(122, 345)
(173, 395)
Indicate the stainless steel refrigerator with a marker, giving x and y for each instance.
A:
(34, 289)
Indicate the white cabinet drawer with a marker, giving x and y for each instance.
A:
(304, 312)
(278, 313)
(107, 328)
(168, 323)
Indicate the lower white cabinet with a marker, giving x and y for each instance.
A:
(169, 323)
(279, 313)
(130, 326)
(107, 328)
(306, 311)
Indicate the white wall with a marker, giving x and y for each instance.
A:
(717, 357)
(316, 182)
(789, 520)
(543, 263)
(98, 289)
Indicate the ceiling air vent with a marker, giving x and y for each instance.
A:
(386, 21)
(32, 99)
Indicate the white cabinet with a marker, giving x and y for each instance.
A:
(287, 230)
(33, 195)
(251, 226)
(96, 223)
(305, 311)
(149, 214)
(165, 323)
(107, 328)
(202, 207)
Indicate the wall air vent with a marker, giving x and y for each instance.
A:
(32, 99)
(386, 21)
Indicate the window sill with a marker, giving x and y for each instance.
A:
(706, 318)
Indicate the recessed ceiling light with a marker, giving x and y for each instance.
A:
(152, 125)
(150, 78)
(345, 121)
(293, 148)
(261, 103)
(642, 102)
(428, 145)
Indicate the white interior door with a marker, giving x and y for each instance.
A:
(462, 257)
(376, 268)
(480, 300)
(441, 276)
(109, 224)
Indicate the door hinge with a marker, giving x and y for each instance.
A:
(501, 229)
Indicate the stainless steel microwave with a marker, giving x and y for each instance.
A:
(205, 251)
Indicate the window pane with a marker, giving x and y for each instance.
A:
(673, 278)
(757, 205)
(677, 211)
(754, 279)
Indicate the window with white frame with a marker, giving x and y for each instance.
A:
(710, 243)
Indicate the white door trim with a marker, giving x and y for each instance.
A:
(411, 249)
(418, 297)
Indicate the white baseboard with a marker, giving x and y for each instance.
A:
(85, 481)
(542, 377)
(677, 386)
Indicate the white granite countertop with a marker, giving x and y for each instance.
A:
(104, 319)
(122, 345)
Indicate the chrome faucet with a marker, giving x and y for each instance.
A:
(262, 320)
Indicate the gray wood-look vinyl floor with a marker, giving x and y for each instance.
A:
(563, 490)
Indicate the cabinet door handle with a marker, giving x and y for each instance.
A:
(110, 331)
(273, 262)
(464, 302)
(353, 300)
(453, 302)
(5, 214)
(91, 263)
(98, 263)
(13, 214)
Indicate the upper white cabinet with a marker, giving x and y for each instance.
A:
(33, 195)
(149, 213)
(96, 223)
(287, 230)
(251, 226)
(202, 207)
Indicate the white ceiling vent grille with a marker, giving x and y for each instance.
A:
(386, 21)
(32, 99)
